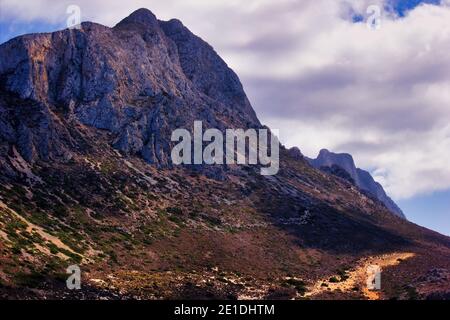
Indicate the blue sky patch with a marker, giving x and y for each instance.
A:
(401, 7)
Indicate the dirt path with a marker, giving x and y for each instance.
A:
(357, 276)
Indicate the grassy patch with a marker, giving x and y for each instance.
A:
(299, 285)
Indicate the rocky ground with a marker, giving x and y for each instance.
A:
(86, 179)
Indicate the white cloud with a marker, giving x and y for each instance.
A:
(383, 95)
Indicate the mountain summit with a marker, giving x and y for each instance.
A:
(143, 16)
(327, 161)
(86, 179)
(139, 81)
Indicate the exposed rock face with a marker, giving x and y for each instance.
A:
(339, 172)
(84, 112)
(331, 162)
(328, 159)
(139, 81)
(295, 153)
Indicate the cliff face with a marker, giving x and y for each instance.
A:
(139, 81)
(85, 178)
(360, 178)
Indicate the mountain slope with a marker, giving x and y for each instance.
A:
(86, 178)
(85, 74)
(361, 178)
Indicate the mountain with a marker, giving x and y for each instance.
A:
(86, 117)
(86, 74)
(362, 179)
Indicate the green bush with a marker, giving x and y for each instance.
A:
(334, 280)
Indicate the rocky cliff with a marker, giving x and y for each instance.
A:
(327, 160)
(85, 178)
(139, 81)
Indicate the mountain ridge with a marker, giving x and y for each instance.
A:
(86, 179)
(89, 74)
(360, 178)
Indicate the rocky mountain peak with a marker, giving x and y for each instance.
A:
(173, 25)
(139, 81)
(334, 163)
(141, 16)
(343, 160)
(295, 153)
(86, 117)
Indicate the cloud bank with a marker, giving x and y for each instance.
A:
(322, 79)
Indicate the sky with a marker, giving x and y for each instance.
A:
(314, 70)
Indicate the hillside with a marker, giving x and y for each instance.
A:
(86, 178)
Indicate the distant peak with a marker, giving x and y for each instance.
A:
(326, 153)
(173, 26)
(143, 16)
(176, 22)
(295, 153)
